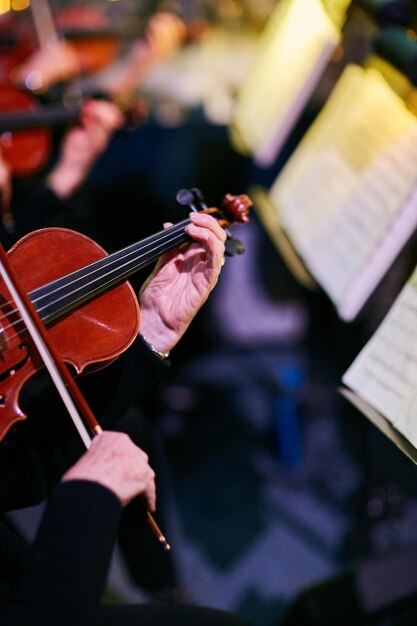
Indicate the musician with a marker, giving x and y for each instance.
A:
(62, 580)
(43, 447)
(60, 198)
(65, 573)
(59, 62)
(56, 197)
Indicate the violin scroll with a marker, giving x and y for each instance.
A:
(234, 209)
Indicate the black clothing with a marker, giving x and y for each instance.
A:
(33, 458)
(66, 574)
(60, 581)
(46, 444)
(61, 578)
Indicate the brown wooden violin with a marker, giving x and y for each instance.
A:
(96, 46)
(17, 43)
(25, 137)
(26, 140)
(81, 294)
(26, 152)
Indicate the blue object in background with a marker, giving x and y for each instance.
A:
(287, 421)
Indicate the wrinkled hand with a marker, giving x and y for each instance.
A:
(83, 144)
(115, 462)
(181, 282)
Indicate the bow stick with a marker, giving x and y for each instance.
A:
(64, 382)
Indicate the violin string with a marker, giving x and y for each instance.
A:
(97, 267)
(169, 235)
(114, 275)
(46, 356)
(128, 255)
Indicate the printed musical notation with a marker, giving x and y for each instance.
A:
(347, 197)
(384, 374)
(293, 52)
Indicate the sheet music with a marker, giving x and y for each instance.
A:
(293, 52)
(384, 373)
(350, 180)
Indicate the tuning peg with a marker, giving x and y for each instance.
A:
(233, 246)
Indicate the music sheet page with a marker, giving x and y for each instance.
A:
(282, 76)
(385, 371)
(351, 178)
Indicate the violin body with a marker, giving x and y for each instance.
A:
(89, 338)
(97, 46)
(25, 152)
(81, 294)
(17, 43)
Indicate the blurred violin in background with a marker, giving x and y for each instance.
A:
(25, 122)
(26, 152)
(55, 58)
(81, 40)
(89, 32)
(17, 43)
(26, 137)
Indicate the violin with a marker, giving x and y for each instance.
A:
(26, 152)
(83, 297)
(16, 44)
(25, 137)
(96, 46)
(26, 140)
(77, 407)
(89, 51)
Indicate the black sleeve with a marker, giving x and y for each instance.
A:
(139, 373)
(38, 206)
(70, 558)
(33, 458)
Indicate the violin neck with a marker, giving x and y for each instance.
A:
(125, 33)
(66, 294)
(47, 115)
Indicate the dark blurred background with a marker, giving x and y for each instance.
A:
(280, 497)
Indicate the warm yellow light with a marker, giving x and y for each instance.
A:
(20, 5)
(396, 79)
(294, 49)
(346, 185)
(336, 10)
(4, 6)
